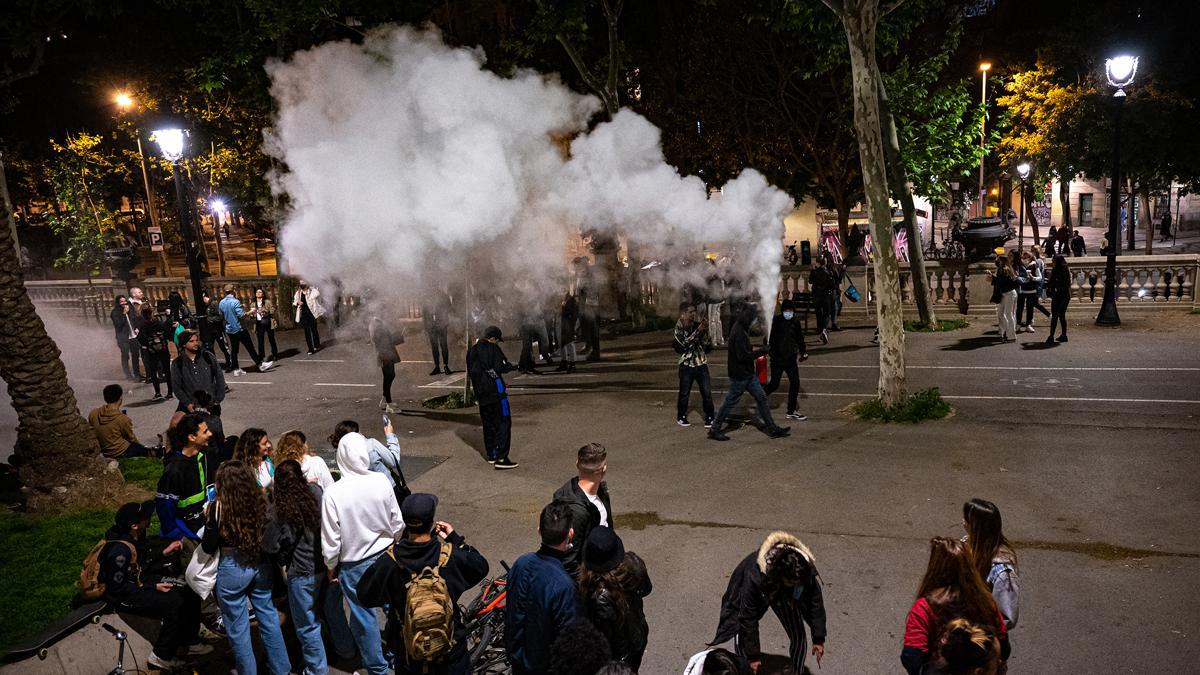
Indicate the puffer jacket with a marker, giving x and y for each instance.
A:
(627, 633)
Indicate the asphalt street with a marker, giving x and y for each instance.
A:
(1087, 447)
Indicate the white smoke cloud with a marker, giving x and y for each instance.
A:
(407, 161)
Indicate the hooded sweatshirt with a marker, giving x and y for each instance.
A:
(359, 514)
(113, 429)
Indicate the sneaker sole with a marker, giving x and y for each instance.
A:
(683, 424)
(504, 467)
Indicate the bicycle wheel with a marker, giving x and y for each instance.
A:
(478, 641)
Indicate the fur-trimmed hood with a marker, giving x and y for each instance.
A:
(783, 540)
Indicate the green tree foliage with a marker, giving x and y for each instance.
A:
(81, 217)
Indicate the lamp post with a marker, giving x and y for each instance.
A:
(983, 68)
(170, 143)
(1120, 71)
(126, 102)
(219, 211)
(1023, 174)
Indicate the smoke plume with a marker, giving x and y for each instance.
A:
(406, 164)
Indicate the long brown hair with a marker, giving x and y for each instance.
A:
(620, 582)
(295, 503)
(953, 587)
(243, 509)
(985, 535)
(1004, 267)
(247, 450)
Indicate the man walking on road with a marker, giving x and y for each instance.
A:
(742, 377)
(541, 595)
(587, 497)
(787, 349)
(486, 365)
(693, 342)
(232, 312)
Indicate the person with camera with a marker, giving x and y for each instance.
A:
(396, 579)
(693, 343)
(153, 335)
(125, 323)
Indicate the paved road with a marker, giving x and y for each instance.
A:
(1088, 447)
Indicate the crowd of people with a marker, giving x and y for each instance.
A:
(1019, 283)
(270, 537)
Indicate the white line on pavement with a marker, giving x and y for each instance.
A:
(444, 382)
(805, 394)
(316, 360)
(342, 384)
(1100, 368)
(245, 382)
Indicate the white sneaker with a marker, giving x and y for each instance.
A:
(393, 409)
(1029, 328)
(239, 372)
(198, 649)
(165, 664)
(383, 404)
(265, 366)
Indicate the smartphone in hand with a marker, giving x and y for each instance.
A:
(386, 421)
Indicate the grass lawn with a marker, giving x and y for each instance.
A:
(43, 555)
(944, 325)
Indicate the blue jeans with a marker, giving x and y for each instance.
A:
(333, 617)
(736, 389)
(237, 583)
(302, 598)
(699, 375)
(363, 623)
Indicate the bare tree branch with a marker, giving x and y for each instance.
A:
(891, 7)
(837, 6)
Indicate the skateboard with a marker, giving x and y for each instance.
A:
(40, 643)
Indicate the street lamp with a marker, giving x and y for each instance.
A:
(126, 102)
(170, 143)
(1023, 174)
(983, 68)
(1120, 71)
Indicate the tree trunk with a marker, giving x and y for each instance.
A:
(1064, 197)
(1150, 232)
(859, 19)
(1131, 218)
(55, 446)
(1030, 215)
(898, 176)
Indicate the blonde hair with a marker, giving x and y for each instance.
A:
(292, 445)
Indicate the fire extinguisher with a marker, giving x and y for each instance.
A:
(761, 370)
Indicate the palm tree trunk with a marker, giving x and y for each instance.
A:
(55, 446)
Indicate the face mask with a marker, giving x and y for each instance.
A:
(788, 315)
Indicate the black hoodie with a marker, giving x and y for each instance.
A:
(386, 580)
(741, 352)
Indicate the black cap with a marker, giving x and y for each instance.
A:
(786, 305)
(493, 332)
(133, 513)
(603, 550)
(418, 510)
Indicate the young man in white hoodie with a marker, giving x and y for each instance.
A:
(360, 519)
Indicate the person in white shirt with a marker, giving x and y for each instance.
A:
(587, 495)
(360, 519)
(293, 445)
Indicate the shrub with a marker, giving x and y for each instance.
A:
(943, 325)
(923, 405)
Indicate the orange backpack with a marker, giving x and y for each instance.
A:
(89, 584)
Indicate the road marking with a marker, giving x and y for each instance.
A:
(342, 384)
(246, 382)
(444, 382)
(1089, 368)
(317, 360)
(1076, 398)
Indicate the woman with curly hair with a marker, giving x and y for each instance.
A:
(254, 450)
(612, 583)
(293, 445)
(951, 589)
(235, 524)
(293, 540)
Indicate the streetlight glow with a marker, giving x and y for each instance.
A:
(217, 206)
(170, 142)
(1121, 71)
(985, 66)
(123, 100)
(1023, 170)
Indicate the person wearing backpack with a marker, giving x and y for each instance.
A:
(196, 369)
(153, 337)
(121, 571)
(421, 579)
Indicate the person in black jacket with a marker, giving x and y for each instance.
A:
(133, 583)
(486, 365)
(153, 335)
(125, 323)
(541, 599)
(612, 583)
(824, 284)
(782, 576)
(787, 349)
(742, 377)
(567, 327)
(1059, 289)
(385, 582)
(212, 329)
(587, 497)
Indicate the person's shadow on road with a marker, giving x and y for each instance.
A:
(971, 343)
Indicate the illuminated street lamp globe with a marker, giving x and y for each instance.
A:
(1121, 71)
(217, 206)
(170, 142)
(1023, 170)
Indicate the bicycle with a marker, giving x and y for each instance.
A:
(484, 619)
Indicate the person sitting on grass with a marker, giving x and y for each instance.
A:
(133, 583)
(114, 429)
